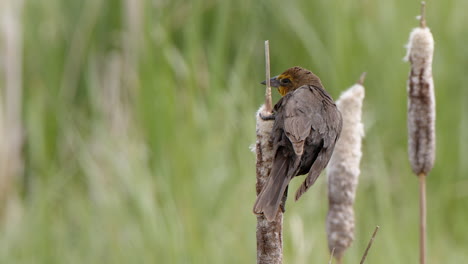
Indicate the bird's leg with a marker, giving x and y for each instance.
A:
(283, 200)
(267, 116)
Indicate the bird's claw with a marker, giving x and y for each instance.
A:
(267, 116)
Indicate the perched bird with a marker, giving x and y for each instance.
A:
(306, 126)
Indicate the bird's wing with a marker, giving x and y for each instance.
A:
(327, 130)
(302, 116)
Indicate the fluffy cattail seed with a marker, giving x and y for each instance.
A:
(343, 171)
(421, 102)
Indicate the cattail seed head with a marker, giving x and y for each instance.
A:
(343, 172)
(269, 234)
(263, 148)
(421, 101)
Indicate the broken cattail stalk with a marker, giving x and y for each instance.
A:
(343, 171)
(369, 245)
(331, 256)
(269, 234)
(11, 57)
(268, 103)
(421, 114)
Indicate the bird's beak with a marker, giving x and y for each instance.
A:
(273, 82)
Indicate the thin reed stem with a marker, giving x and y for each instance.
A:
(362, 78)
(268, 103)
(422, 218)
(422, 21)
(369, 245)
(331, 256)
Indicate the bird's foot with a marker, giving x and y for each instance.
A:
(267, 116)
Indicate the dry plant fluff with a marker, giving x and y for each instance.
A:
(343, 172)
(421, 102)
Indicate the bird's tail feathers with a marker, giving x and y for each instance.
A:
(269, 199)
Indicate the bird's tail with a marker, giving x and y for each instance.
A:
(269, 199)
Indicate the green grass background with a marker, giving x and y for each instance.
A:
(164, 174)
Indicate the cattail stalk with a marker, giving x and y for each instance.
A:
(268, 103)
(131, 39)
(11, 139)
(269, 234)
(421, 114)
(343, 171)
(331, 256)
(369, 245)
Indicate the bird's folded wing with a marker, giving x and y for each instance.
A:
(308, 116)
(303, 115)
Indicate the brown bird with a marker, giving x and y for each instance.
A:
(306, 126)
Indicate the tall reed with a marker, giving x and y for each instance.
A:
(421, 114)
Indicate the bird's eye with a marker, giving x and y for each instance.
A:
(285, 81)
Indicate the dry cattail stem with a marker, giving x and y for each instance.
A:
(422, 20)
(268, 103)
(269, 234)
(343, 171)
(422, 217)
(11, 127)
(421, 114)
(331, 256)
(369, 245)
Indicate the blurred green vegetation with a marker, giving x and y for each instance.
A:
(139, 116)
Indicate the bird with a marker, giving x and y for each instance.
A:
(307, 124)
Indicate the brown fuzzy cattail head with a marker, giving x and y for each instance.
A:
(269, 233)
(421, 101)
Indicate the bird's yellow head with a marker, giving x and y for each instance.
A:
(293, 78)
